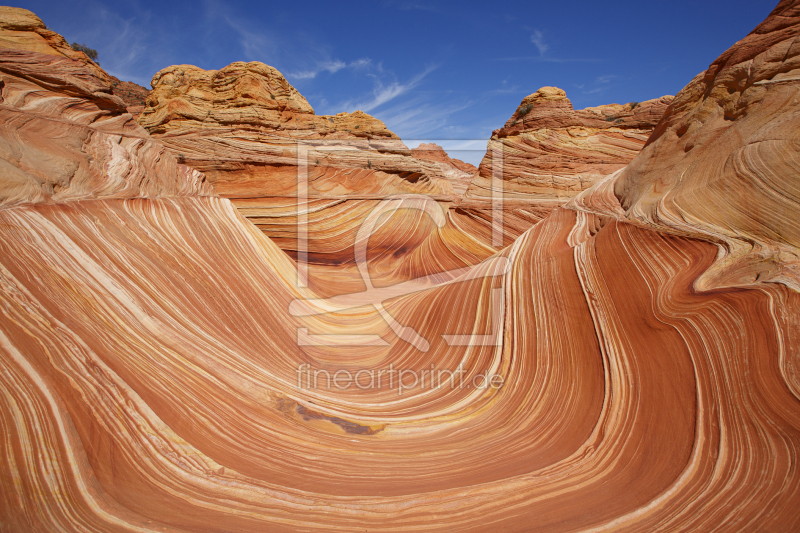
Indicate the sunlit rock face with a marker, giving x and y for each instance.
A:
(157, 349)
(259, 142)
(724, 162)
(64, 135)
(547, 152)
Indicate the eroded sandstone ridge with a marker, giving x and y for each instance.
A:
(547, 152)
(156, 349)
(241, 126)
(132, 94)
(64, 135)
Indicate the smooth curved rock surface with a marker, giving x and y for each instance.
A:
(153, 352)
(724, 161)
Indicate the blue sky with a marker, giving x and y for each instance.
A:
(444, 71)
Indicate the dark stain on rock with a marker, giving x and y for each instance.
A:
(348, 426)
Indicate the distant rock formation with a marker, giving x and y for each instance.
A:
(132, 94)
(547, 152)
(434, 152)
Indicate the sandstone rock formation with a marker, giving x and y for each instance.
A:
(132, 94)
(156, 352)
(250, 132)
(64, 135)
(434, 152)
(242, 126)
(246, 96)
(723, 163)
(547, 152)
(458, 172)
(22, 30)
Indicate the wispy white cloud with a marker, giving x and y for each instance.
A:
(420, 116)
(360, 63)
(599, 85)
(537, 38)
(125, 44)
(386, 92)
(505, 89)
(333, 67)
(257, 45)
(409, 5)
(547, 59)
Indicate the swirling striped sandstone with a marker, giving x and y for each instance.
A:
(148, 383)
(188, 412)
(241, 126)
(724, 161)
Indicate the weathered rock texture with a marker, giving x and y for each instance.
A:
(724, 162)
(132, 94)
(156, 355)
(261, 145)
(547, 152)
(64, 135)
